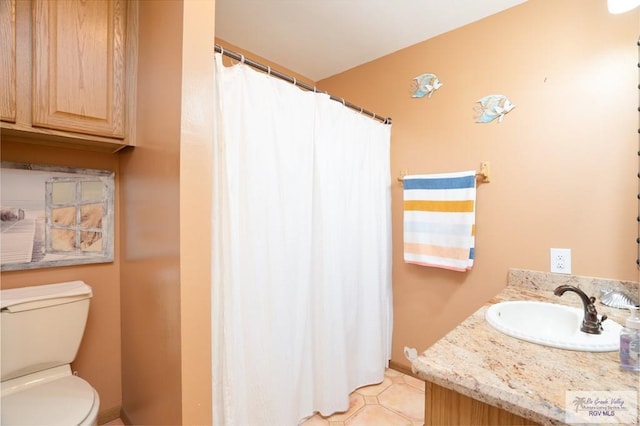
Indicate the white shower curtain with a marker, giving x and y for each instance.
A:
(301, 291)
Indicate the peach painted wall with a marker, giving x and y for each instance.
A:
(150, 230)
(196, 187)
(167, 189)
(98, 360)
(563, 161)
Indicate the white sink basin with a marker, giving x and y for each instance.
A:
(550, 324)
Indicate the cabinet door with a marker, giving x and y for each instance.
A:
(8, 60)
(79, 66)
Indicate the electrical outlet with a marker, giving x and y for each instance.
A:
(561, 260)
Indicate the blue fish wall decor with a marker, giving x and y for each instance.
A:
(492, 107)
(424, 85)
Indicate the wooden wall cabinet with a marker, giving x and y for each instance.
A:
(8, 60)
(71, 72)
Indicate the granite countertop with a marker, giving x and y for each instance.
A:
(523, 378)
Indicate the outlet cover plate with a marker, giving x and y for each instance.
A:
(560, 260)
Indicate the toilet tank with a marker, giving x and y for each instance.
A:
(41, 326)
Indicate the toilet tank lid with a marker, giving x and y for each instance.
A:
(15, 298)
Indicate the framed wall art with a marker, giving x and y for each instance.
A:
(55, 216)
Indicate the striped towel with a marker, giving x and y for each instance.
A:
(439, 220)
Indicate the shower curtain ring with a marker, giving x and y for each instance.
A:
(294, 81)
(222, 50)
(268, 70)
(343, 102)
(315, 89)
(242, 58)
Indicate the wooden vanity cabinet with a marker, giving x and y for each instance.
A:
(71, 68)
(447, 407)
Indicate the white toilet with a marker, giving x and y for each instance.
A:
(40, 329)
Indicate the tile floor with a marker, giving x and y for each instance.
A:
(398, 400)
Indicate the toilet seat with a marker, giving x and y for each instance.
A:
(65, 401)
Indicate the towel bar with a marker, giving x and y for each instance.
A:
(483, 176)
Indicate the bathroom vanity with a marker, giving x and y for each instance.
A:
(477, 375)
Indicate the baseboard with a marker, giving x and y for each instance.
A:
(403, 369)
(125, 419)
(105, 416)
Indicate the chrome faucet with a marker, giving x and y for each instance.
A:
(590, 322)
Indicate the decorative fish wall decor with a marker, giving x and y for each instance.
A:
(424, 84)
(492, 107)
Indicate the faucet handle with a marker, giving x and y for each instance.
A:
(602, 318)
(591, 324)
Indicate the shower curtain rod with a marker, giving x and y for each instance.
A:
(292, 80)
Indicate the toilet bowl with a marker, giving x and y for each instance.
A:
(41, 328)
(51, 397)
